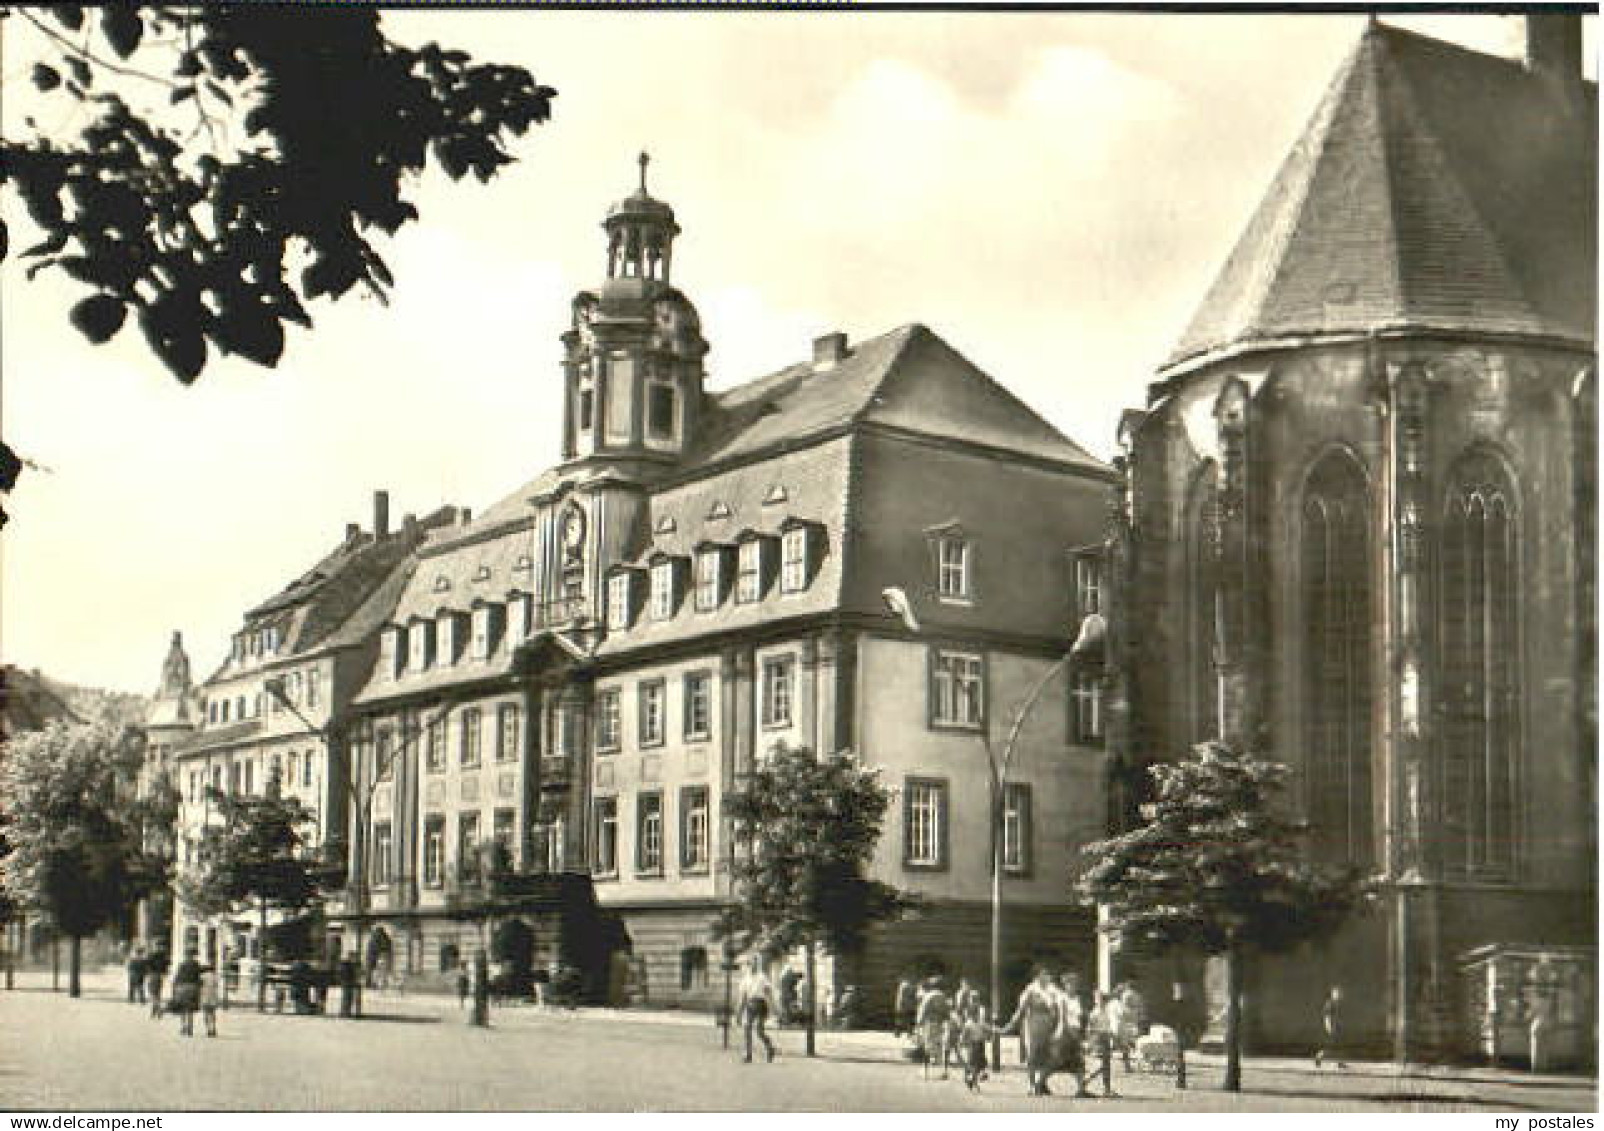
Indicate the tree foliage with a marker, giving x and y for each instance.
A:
(805, 830)
(1218, 868)
(285, 137)
(232, 162)
(76, 837)
(255, 854)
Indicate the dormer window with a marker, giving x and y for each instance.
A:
(665, 596)
(421, 638)
(448, 637)
(712, 577)
(519, 606)
(486, 628)
(800, 549)
(752, 567)
(393, 650)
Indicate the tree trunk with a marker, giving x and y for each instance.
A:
(75, 966)
(809, 1013)
(1233, 1018)
(261, 956)
(55, 961)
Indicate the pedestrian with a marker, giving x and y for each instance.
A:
(903, 1003)
(1330, 1028)
(975, 1032)
(1070, 1041)
(1102, 1031)
(155, 974)
(464, 982)
(932, 1020)
(789, 981)
(186, 993)
(481, 989)
(208, 998)
(1126, 1030)
(846, 1009)
(136, 974)
(1037, 1019)
(754, 1005)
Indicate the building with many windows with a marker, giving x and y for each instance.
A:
(271, 711)
(585, 670)
(1361, 509)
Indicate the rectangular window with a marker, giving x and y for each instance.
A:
(698, 705)
(468, 846)
(250, 778)
(434, 851)
(421, 639)
(952, 568)
(694, 846)
(587, 408)
(618, 611)
(649, 834)
(924, 823)
(468, 748)
(957, 689)
(708, 568)
(435, 746)
(314, 688)
(604, 852)
(503, 825)
(557, 845)
(777, 691)
(662, 590)
(508, 731)
(609, 721)
(1016, 844)
(749, 572)
(379, 861)
(1086, 705)
(652, 710)
(1088, 585)
(306, 769)
(794, 560)
(660, 406)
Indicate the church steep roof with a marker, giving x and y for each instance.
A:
(1435, 188)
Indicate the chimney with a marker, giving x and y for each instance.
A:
(828, 351)
(381, 515)
(409, 525)
(353, 531)
(466, 516)
(1554, 44)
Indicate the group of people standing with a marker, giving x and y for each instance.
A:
(1060, 1029)
(194, 988)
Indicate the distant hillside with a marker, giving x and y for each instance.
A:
(30, 699)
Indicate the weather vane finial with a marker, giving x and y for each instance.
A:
(645, 160)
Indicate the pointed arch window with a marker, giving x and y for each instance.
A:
(1336, 600)
(1481, 674)
(1202, 588)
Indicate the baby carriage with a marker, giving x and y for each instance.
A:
(1159, 1050)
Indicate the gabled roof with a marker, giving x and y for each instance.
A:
(1435, 188)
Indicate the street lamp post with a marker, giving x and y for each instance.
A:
(997, 766)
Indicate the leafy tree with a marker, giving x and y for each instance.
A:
(256, 855)
(1217, 869)
(76, 852)
(234, 162)
(805, 829)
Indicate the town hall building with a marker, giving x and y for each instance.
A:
(581, 673)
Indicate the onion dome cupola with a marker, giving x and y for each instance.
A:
(633, 355)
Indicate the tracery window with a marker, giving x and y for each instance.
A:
(1480, 677)
(1336, 604)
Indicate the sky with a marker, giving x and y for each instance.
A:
(1050, 192)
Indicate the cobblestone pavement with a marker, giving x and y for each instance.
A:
(417, 1053)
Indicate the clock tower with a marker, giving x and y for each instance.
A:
(632, 358)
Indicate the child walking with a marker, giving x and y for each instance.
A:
(208, 998)
(975, 1034)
